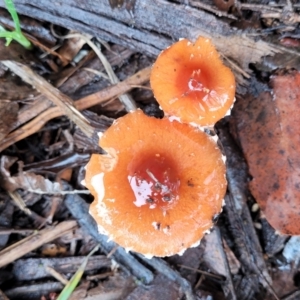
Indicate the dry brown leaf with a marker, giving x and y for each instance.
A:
(243, 49)
(70, 49)
(29, 181)
(25, 180)
(269, 131)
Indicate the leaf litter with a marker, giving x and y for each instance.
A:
(244, 257)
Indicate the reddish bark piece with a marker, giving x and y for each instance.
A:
(269, 131)
(223, 5)
(158, 187)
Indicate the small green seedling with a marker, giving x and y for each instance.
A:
(17, 34)
(70, 287)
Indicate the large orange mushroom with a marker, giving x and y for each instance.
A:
(159, 185)
(190, 82)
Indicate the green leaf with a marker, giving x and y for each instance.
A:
(17, 34)
(70, 287)
(12, 10)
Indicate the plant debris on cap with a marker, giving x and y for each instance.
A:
(190, 81)
(159, 185)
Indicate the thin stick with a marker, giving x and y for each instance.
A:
(218, 277)
(57, 97)
(34, 241)
(19, 231)
(124, 98)
(37, 123)
(100, 276)
(57, 275)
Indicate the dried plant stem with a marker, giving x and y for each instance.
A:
(37, 123)
(126, 100)
(34, 241)
(57, 275)
(62, 101)
(3, 296)
(19, 231)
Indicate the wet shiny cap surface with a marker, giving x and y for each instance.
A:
(158, 186)
(190, 81)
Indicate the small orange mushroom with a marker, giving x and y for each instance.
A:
(159, 185)
(190, 82)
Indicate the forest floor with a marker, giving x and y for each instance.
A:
(57, 97)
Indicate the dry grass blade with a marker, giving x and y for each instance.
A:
(3, 296)
(124, 98)
(71, 285)
(57, 275)
(19, 202)
(215, 276)
(53, 94)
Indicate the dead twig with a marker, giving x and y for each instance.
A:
(100, 276)
(19, 231)
(3, 296)
(34, 241)
(126, 100)
(236, 67)
(62, 101)
(162, 267)
(18, 201)
(37, 123)
(208, 274)
(287, 14)
(57, 275)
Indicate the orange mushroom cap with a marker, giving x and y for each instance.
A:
(189, 81)
(158, 187)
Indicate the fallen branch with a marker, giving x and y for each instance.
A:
(151, 27)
